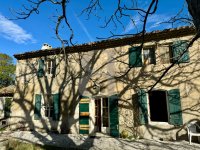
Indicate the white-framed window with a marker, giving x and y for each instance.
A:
(160, 106)
(139, 56)
(48, 107)
(50, 66)
(105, 112)
(149, 56)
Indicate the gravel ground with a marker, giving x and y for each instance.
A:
(96, 143)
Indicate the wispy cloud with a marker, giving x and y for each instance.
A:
(153, 22)
(133, 24)
(13, 32)
(83, 28)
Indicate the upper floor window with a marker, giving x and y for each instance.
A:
(47, 66)
(149, 56)
(159, 106)
(50, 66)
(180, 53)
(139, 56)
(165, 54)
(174, 52)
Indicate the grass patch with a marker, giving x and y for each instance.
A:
(2, 129)
(19, 145)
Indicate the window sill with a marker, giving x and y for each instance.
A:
(159, 123)
(49, 75)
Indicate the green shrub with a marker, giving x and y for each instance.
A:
(124, 134)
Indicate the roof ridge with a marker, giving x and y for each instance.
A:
(103, 44)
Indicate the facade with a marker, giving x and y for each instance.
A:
(104, 87)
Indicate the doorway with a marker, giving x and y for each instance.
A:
(98, 115)
(102, 115)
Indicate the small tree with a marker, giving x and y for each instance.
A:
(7, 70)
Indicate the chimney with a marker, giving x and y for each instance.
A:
(46, 46)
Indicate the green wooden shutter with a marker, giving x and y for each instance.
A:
(84, 115)
(142, 102)
(7, 107)
(56, 107)
(37, 109)
(178, 48)
(174, 103)
(53, 71)
(40, 71)
(135, 57)
(114, 118)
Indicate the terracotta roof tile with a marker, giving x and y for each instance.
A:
(109, 43)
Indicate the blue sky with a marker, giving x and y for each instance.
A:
(19, 36)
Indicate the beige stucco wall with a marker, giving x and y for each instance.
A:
(103, 67)
(1, 107)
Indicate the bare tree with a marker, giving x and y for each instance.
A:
(121, 11)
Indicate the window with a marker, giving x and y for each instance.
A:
(178, 48)
(104, 116)
(165, 54)
(139, 57)
(40, 71)
(149, 56)
(98, 114)
(105, 112)
(164, 106)
(50, 66)
(48, 107)
(171, 53)
(7, 107)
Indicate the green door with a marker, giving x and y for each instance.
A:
(114, 118)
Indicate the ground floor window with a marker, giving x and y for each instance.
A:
(47, 106)
(160, 106)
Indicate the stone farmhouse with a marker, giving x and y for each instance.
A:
(104, 86)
